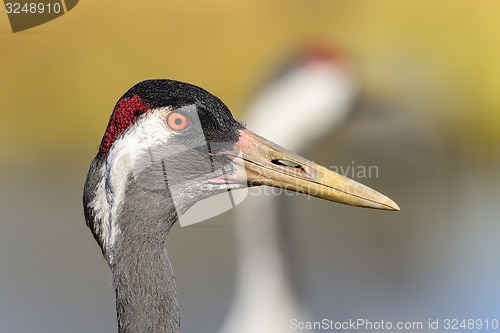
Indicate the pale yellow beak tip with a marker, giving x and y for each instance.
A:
(393, 206)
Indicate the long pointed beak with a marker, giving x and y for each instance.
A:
(266, 163)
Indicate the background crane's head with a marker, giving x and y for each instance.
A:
(177, 141)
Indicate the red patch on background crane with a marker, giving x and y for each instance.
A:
(321, 51)
(126, 112)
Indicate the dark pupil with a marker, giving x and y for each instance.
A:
(178, 121)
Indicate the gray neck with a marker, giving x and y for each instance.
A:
(146, 294)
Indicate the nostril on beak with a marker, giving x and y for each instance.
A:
(288, 164)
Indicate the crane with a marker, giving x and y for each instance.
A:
(169, 144)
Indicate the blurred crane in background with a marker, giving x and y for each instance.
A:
(309, 97)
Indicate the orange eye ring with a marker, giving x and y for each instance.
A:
(177, 121)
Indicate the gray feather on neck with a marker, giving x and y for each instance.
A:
(146, 294)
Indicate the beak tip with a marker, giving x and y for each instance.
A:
(392, 205)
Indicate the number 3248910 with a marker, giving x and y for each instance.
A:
(32, 8)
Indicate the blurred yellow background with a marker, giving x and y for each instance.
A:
(432, 66)
(60, 80)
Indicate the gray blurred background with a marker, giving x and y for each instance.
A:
(427, 118)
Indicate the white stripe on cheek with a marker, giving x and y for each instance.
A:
(148, 132)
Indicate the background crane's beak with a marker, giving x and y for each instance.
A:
(266, 163)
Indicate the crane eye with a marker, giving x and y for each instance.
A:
(177, 121)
